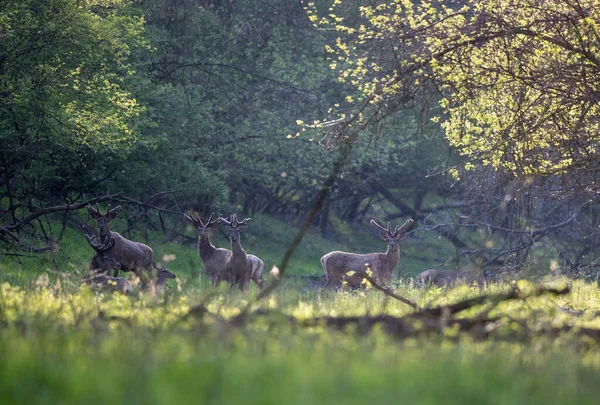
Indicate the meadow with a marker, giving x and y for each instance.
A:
(62, 343)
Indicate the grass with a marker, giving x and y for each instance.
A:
(61, 343)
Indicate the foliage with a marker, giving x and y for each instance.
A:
(516, 77)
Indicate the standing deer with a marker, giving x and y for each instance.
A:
(126, 255)
(238, 268)
(337, 264)
(212, 257)
(215, 259)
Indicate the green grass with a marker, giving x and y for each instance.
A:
(63, 344)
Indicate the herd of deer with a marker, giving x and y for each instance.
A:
(236, 267)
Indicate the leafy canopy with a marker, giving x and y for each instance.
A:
(517, 80)
(63, 71)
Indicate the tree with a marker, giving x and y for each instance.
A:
(517, 80)
(66, 112)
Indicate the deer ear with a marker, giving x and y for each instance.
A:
(384, 236)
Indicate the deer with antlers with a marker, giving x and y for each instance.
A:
(238, 267)
(116, 252)
(212, 257)
(340, 267)
(215, 259)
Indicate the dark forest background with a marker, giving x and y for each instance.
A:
(167, 106)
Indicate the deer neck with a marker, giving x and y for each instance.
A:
(105, 234)
(392, 256)
(236, 247)
(205, 248)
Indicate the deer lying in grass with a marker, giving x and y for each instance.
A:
(337, 265)
(447, 278)
(101, 281)
(213, 258)
(157, 285)
(238, 268)
(101, 262)
(125, 255)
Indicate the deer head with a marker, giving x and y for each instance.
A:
(392, 238)
(234, 227)
(163, 273)
(100, 245)
(203, 228)
(103, 219)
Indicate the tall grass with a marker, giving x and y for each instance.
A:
(60, 343)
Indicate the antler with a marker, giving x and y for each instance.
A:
(399, 228)
(112, 211)
(195, 219)
(388, 230)
(95, 212)
(233, 222)
(100, 246)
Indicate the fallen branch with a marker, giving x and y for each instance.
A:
(493, 299)
(388, 291)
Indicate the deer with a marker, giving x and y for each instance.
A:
(238, 267)
(124, 254)
(157, 285)
(337, 265)
(101, 262)
(213, 258)
(447, 278)
(100, 281)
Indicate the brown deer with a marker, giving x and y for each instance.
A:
(101, 281)
(157, 285)
(213, 258)
(101, 262)
(238, 268)
(124, 254)
(447, 278)
(337, 265)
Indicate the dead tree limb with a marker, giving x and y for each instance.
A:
(50, 210)
(388, 291)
